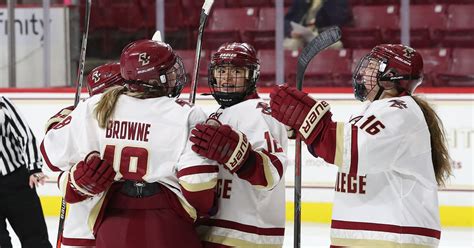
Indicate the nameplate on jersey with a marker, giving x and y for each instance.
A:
(313, 117)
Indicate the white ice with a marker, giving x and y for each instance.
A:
(312, 235)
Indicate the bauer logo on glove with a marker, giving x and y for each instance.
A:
(223, 144)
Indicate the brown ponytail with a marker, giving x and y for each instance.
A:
(439, 149)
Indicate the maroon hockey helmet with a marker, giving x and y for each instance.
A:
(400, 65)
(149, 65)
(103, 77)
(236, 54)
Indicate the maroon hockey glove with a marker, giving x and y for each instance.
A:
(297, 110)
(57, 118)
(91, 176)
(222, 144)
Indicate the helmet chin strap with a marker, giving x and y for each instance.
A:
(382, 67)
(379, 92)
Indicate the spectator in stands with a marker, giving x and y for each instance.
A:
(20, 174)
(306, 18)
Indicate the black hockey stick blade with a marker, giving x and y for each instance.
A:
(319, 43)
(206, 8)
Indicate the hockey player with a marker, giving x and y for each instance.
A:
(152, 186)
(250, 146)
(99, 79)
(391, 157)
(76, 231)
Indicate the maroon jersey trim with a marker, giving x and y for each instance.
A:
(46, 158)
(366, 226)
(244, 228)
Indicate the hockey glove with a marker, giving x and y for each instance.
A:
(297, 110)
(91, 176)
(222, 144)
(57, 118)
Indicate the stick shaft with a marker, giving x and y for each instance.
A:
(80, 76)
(202, 23)
(319, 43)
(82, 57)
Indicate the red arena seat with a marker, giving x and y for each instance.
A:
(435, 61)
(226, 25)
(460, 71)
(460, 29)
(370, 25)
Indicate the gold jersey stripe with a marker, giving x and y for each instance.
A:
(236, 242)
(194, 187)
(338, 155)
(361, 243)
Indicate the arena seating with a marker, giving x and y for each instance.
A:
(370, 25)
(263, 36)
(425, 21)
(440, 29)
(267, 67)
(226, 25)
(330, 68)
(435, 61)
(188, 57)
(460, 71)
(247, 3)
(460, 29)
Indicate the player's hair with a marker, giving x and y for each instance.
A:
(439, 149)
(105, 107)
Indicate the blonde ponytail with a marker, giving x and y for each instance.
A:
(105, 107)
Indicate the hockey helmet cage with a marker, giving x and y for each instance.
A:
(148, 65)
(395, 63)
(235, 54)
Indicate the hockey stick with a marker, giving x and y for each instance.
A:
(82, 57)
(319, 43)
(206, 7)
(80, 76)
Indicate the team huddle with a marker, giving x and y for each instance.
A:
(142, 168)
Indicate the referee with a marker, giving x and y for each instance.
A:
(20, 173)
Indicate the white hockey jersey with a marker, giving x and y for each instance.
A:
(251, 206)
(147, 139)
(386, 191)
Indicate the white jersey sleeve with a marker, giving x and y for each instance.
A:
(268, 139)
(71, 139)
(197, 175)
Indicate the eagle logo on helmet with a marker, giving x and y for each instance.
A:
(96, 76)
(408, 52)
(144, 58)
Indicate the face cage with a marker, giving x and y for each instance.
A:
(172, 82)
(361, 77)
(227, 96)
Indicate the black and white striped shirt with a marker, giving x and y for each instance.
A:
(18, 147)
